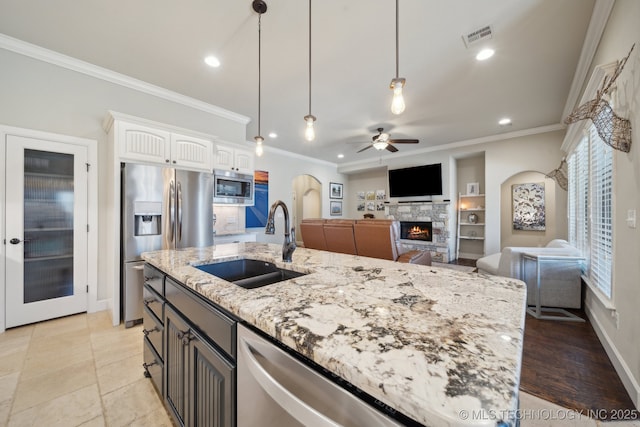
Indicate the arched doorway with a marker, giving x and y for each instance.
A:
(307, 200)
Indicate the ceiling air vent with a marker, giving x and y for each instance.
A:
(478, 35)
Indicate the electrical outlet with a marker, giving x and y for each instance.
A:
(616, 318)
(631, 218)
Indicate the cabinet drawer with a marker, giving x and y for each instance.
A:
(154, 278)
(219, 327)
(153, 302)
(153, 330)
(154, 368)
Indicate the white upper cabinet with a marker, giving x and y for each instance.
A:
(145, 144)
(235, 159)
(190, 152)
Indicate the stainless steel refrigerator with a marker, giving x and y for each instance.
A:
(162, 208)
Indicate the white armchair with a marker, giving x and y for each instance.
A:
(562, 283)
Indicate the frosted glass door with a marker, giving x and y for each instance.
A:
(46, 230)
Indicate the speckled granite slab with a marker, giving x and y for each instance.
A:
(441, 346)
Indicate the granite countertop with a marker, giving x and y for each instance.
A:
(429, 342)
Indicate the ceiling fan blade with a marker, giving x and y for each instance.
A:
(365, 148)
(404, 141)
(391, 148)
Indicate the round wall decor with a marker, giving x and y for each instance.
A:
(472, 218)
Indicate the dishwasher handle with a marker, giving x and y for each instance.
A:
(298, 409)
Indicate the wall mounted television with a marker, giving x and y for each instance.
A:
(416, 181)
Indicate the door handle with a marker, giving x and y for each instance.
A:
(172, 211)
(15, 241)
(179, 203)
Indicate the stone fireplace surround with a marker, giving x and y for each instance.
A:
(439, 214)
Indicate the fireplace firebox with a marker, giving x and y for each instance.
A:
(416, 230)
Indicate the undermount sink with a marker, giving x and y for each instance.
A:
(249, 273)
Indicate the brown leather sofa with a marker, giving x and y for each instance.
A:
(375, 238)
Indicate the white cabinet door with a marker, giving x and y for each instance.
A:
(224, 158)
(235, 159)
(144, 144)
(192, 153)
(244, 161)
(46, 223)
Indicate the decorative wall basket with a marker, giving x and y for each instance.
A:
(559, 175)
(613, 129)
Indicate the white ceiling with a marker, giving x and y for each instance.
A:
(450, 96)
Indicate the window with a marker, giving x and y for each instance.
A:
(590, 169)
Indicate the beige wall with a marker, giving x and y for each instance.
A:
(618, 327)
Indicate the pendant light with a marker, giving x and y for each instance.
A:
(260, 7)
(397, 104)
(309, 132)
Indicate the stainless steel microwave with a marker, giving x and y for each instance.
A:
(232, 188)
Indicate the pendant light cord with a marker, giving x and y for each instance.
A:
(259, 67)
(309, 57)
(397, 43)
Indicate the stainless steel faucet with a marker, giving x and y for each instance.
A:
(289, 238)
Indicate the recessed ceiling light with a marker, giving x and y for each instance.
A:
(212, 61)
(273, 135)
(504, 122)
(485, 54)
(340, 156)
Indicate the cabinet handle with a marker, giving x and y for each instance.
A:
(146, 332)
(166, 160)
(146, 367)
(185, 336)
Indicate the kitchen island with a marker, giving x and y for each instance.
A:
(440, 346)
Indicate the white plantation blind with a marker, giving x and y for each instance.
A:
(601, 180)
(590, 174)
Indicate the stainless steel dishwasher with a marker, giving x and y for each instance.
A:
(275, 389)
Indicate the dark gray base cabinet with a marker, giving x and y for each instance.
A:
(200, 382)
(187, 354)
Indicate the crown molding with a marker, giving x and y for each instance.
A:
(597, 24)
(360, 165)
(280, 152)
(73, 64)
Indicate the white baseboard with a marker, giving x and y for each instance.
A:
(621, 367)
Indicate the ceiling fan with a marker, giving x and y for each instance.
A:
(381, 141)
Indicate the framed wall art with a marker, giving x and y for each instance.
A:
(335, 207)
(335, 190)
(528, 207)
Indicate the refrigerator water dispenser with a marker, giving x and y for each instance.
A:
(147, 218)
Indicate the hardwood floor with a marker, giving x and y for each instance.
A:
(564, 363)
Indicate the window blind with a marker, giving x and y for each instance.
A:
(601, 182)
(590, 174)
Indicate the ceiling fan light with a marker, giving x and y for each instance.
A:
(380, 145)
(309, 132)
(397, 104)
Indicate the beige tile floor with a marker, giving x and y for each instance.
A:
(76, 371)
(82, 371)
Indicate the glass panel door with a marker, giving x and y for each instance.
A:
(48, 225)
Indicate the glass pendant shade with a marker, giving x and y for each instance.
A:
(397, 104)
(259, 148)
(309, 132)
